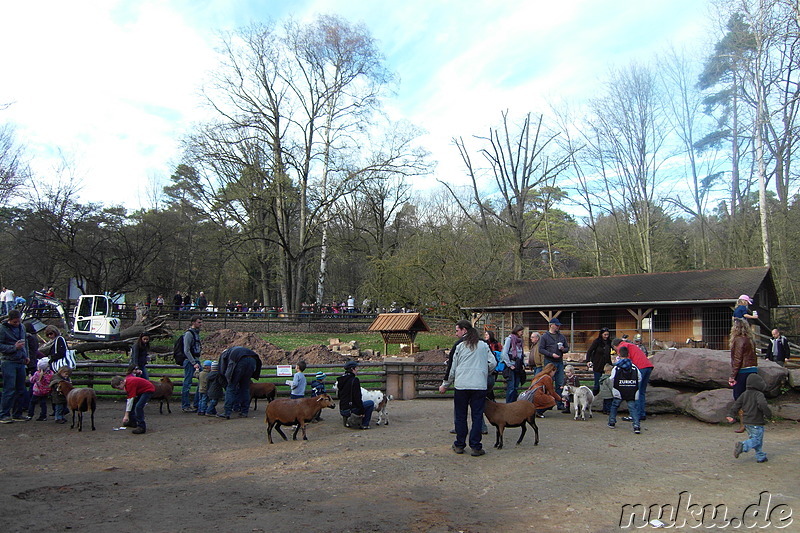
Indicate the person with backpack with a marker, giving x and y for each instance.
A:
(187, 350)
(514, 371)
(645, 366)
(625, 379)
(497, 349)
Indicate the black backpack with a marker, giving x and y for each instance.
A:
(626, 381)
(177, 351)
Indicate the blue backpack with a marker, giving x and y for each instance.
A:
(500, 364)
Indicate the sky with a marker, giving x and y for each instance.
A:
(109, 87)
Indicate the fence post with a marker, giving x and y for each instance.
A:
(401, 381)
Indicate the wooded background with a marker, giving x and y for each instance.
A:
(303, 190)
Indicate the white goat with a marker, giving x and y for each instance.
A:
(582, 400)
(380, 400)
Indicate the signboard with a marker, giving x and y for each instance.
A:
(284, 370)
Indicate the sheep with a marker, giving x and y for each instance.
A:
(511, 415)
(260, 391)
(79, 401)
(582, 399)
(287, 412)
(380, 400)
(163, 393)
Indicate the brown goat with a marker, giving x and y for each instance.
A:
(260, 391)
(287, 412)
(79, 401)
(511, 415)
(163, 393)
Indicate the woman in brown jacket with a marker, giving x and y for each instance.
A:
(743, 356)
(545, 396)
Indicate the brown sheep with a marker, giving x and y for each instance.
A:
(511, 415)
(287, 412)
(163, 393)
(79, 401)
(260, 391)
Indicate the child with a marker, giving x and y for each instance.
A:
(317, 388)
(41, 388)
(298, 382)
(139, 391)
(214, 389)
(569, 379)
(754, 408)
(625, 378)
(202, 387)
(742, 310)
(59, 400)
(606, 391)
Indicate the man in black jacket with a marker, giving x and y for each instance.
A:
(349, 389)
(778, 348)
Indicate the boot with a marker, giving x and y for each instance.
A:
(740, 429)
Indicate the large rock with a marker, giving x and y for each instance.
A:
(701, 368)
(794, 378)
(788, 410)
(659, 400)
(710, 406)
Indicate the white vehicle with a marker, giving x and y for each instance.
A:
(92, 319)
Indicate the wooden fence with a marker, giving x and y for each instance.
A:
(426, 377)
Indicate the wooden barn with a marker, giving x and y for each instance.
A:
(668, 308)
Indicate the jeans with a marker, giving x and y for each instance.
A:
(238, 391)
(475, 401)
(42, 402)
(490, 381)
(558, 379)
(145, 373)
(211, 409)
(61, 410)
(741, 383)
(369, 406)
(188, 374)
(755, 441)
(202, 404)
(137, 414)
(633, 408)
(596, 388)
(512, 384)
(643, 389)
(13, 389)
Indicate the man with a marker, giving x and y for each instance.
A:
(8, 300)
(350, 401)
(192, 350)
(14, 357)
(238, 364)
(778, 348)
(202, 301)
(138, 391)
(351, 304)
(534, 357)
(461, 329)
(3, 309)
(553, 345)
(177, 302)
(645, 366)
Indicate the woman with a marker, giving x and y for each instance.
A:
(743, 360)
(60, 355)
(469, 373)
(494, 346)
(513, 358)
(598, 356)
(545, 396)
(139, 354)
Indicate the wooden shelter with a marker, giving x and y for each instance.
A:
(398, 328)
(668, 309)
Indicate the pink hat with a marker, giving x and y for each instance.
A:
(746, 297)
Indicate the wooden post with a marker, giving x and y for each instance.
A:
(401, 382)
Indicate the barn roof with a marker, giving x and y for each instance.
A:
(399, 322)
(722, 286)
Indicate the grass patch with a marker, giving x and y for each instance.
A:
(372, 341)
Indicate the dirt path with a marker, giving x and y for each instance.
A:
(190, 473)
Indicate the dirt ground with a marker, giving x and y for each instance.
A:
(191, 473)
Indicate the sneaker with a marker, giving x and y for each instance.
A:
(764, 460)
(637, 430)
(738, 449)
(627, 418)
(21, 418)
(226, 417)
(452, 431)
(364, 427)
(458, 449)
(612, 426)
(539, 415)
(6, 420)
(139, 431)
(189, 410)
(59, 421)
(477, 453)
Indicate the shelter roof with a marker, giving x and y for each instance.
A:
(720, 286)
(398, 322)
